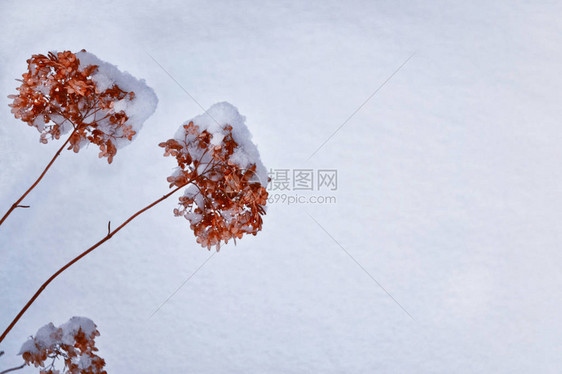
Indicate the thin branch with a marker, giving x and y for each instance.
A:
(77, 258)
(17, 203)
(12, 369)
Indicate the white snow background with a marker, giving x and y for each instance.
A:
(449, 195)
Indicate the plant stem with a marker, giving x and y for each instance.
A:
(17, 203)
(77, 258)
(12, 369)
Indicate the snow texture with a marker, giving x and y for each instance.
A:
(449, 188)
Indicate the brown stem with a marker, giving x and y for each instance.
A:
(12, 369)
(17, 203)
(77, 258)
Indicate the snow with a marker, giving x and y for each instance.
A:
(85, 361)
(138, 109)
(49, 336)
(214, 121)
(448, 195)
(44, 338)
(71, 328)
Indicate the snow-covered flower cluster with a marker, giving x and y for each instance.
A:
(216, 157)
(73, 342)
(64, 92)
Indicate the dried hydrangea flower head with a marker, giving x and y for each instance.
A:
(73, 342)
(64, 92)
(226, 196)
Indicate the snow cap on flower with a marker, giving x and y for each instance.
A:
(227, 181)
(77, 92)
(72, 342)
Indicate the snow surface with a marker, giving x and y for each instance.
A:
(449, 188)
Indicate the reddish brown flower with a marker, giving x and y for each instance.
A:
(72, 342)
(58, 94)
(224, 200)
